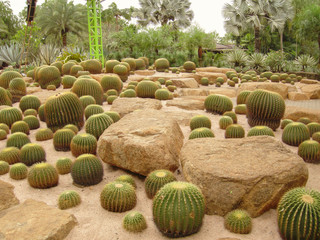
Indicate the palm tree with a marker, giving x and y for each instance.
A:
(60, 17)
(165, 12)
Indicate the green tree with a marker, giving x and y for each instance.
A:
(8, 21)
(60, 17)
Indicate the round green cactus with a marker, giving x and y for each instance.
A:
(162, 81)
(75, 69)
(112, 92)
(220, 80)
(7, 76)
(18, 140)
(126, 178)
(298, 214)
(131, 62)
(68, 81)
(168, 83)
(30, 112)
(189, 66)
(72, 127)
(32, 153)
(87, 170)
(32, 121)
(266, 75)
(18, 171)
(217, 103)
(67, 67)
(176, 218)
(97, 124)
(285, 122)
(218, 84)
(146, 61)
(4, 127)
(68, 199)
(118, 197)
(162, 64)
(242, 97)
(146, 89)
(94, 66)
(156, 180)
(3, 134)
(11, 155)
(63, 165)
(313, 127)
(41, 113)
(18, 89)
(4, 167)
(260, 130)
(295, 133)
(122, 72)
(309, 150)
(129, 93)
(51, 88)
(204, 81)
(316, 136)
(92, 109)
(86, 86)
(304, 120)
(225, 121)
(229, 73)
(162, 94)
(201, 133)
(58, 65)
(43, 175)
(275, 78)
(235, 79)
(240, 109)
(238, 221)
(62, 139)
(140, 64)
(110, 99)
(87, 100)
(232, 115)
(114, 115)
(265, 108)
(172, 88)
(49, 76)
(110, 65)
(10, 115)
(62, 109)
(111, 82)
(30, 73)
(44, 134)
(83, 143)
(29, 102)
(134, 221)
(234, 131)
(199, 121)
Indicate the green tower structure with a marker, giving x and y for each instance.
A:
(95, 31)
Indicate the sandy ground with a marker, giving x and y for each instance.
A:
(95, 223)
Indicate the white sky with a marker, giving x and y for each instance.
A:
(207, 13)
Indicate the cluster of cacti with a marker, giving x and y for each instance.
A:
(260, 130)
(162, 64)
(225, 121)
(93, 66)
(67, 67)
(217, 103)
(309, 150)
(118, 197)
(229, 73)
(266, 75)
(110, 99)
(156, 180)
(234, 131)
(131, 62)
(30, 112)
(295, 133)
(110, 65)
(92, 109)
(62, 109)
(7, 76)
(242, 97)
(49, 76)
(43, 175)
(199, 121)
(146, 89)
(122, 71)
(96, 124)
(313, 127)
(72, 127)
(146, 61)
(232, 115)
(18, 140)
(4, 167)
(126, 178)
(83, 143)
(68, 81)
(201, 133)
(299, 214)
(41, 113)
(220, 80)
(316, 136)
(115, 116)
(29, 102)
(11, 155)
(87, 86)
(87, 100)
(162, 94)
(18, 89)
(4, 127)
(304, 120)
(10, 115)
(4, 98)
(32, 121)
(32, 153)
(3, 134)
(175, 218)
(140, 64)
(87, 170)
(285, 122)
(30, 73)
(238, 221)
(134, 221)
(129, 93)
(265, 108)
(63, 165)
(18, 171)
(189, 66)
(68, 199)
(44, 134)
(62, 139)
(167, 82)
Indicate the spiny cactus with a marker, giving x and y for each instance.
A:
(238, 221)
(75, 69)
(58, 65)
(260, 130)
(199, 121)
(115, 116)
(131, 62)
(316, 136)
(118, 197)
(275, 78)
(49, 76)
(122, 72)
(134, 222)
(162, 64)
(189, 66)
(240, 109)
(146, 89)
(201, 133)
(43, 175)
(162, 94)
(295, 133)
(18, 140)
(309, 150)
(67, 67)
(298, 214)
(111, 82)
(234, 131)
(94, 66)
(11, 155)
(156, 180)
(51, 88)
(87, 170)
(225, 121)
(7, 76)
(146, 61)
(10, 115)
(68, 81)
(285, 122)
(92, 109)
(62, 109)
(86, 86)
(217, 103)
(62, 139)
(204, 81)
(30, 74)
(83, 143)
(87, 100)
(3, 134)
(41, 113)
(110, 65)
(30, 112)
(18, 171)
(63, 165)
(32, 153)
(126, 178)
(4, 167)
(304, 120)
(175, 218)
(266, 75)
(29, 102)
(110, 99)
(96, 124)
(72, 127)
(44, 134)
(220, 80)
(4, 127)
(232, 115)
(69, 199)
(129, 93)
(313, 127)
(17, 88)
(32, 121)
(242, 97)
(140, 64)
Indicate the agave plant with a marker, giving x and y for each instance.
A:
(237, 57)
(48, 53)
(305, 61)
(257, 61)
(11, 54)
(276, 60)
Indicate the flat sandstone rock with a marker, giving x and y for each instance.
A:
(280, 88)
(7, 197)
(250, 173)
(188, 104)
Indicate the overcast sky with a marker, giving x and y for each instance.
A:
(207, 13)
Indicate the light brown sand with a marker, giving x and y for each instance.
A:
(95, 223)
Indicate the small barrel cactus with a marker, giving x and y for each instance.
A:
(217, 103)
(110, 65)
(10, 115)
(313, 127)
(114, 115)
(225, 121)
(87, 100)
(83, 143)
(131, 62)
(7, 76)
(238, 221)
(156, 180)
(111, 82)
(295, 133)
(134, 221)
(18, 140)
(49, 75)
(43, 175)
(110, 99)
(232, 115)
(304, 120)
(72, 127)
(4, 167)
(58, 65)
(316, 136)
(199, 121)
(140, 64)
(41, 113)
(18, 171)
(260, 130)
(87, 170)
(201, 133)
(4, 127)
(30, 112)
(86, 86)
(234, 131)
(93, 66)
(67, 67)
(20, 126)
(18, 89)
(189, 66)
(162, 64)
(122, 72)
(97, 124)
(44, 134)
(32, 121)
(10, 155)
(69, 199)
(112, 92)
(62, 139)
(285, 122)
(92, 109)
(51, 88)
(32, 153)
(63, 165)
(68, 81)
(118, 197)
(176, 218)
(146, 89)
(162, 94)
(204, 81)
(275, 78)
(172, 88)
(75, 69)
(231, 83)
(220, 80)
(129, 93)
(3, 134)
(126, 178)
(309, 150)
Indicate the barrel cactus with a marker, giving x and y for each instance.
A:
(18, 140)
(86, 86)
(58, 64)
(75, 69)
(204, 81)
(265, 108)
(217, 103)
(51, 88)
(146, 89)
(72, 127)
(118, 197)
(68, 199)
(189, 66)
(175, 218)
(87, 170)
(94, 66)
(140, 64)
(234, 131)
(201, 133)
(134, 221)
(111, 82)
(68, 81)
(129, 93)
(49, 76)
(285, 122)
(313, 127)
(4, 127)
(29, 102)
(44, 134)
(41, 113)
(18, 89)
(63, 165)
(66, 68)
(309, 150)
(96, 124)
(11, 155)
(7, 76)
(316, 136)
(3, 134)
(146, 61)
(162, 64)
(162, 94)
(43, 175)
(295, 133)
(225, 121)
(126, 178)
(18, 171)
(110, 65)
(32, 121)
(30, 112)
(275, 78)
(83, 143)
(92, 109)
(122, 72)
(10, 115)
(4, 167)
(110, 99)
(232, 115)
(62, 139)
(115, 116)
(156, 180)
(87, 100)
(131, 62)
(32, 153)
(260, 130)
(238, 221)
(199, 121)
(304, 120)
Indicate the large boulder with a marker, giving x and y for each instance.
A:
(142, 142)
(127, 105)
(294, 113)
(188, 104)
(35, 220)
(182, 117)
(280, 88)
(297, 96)
(311, 90)
(250, 173)
(185, 82)
(7, 197)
